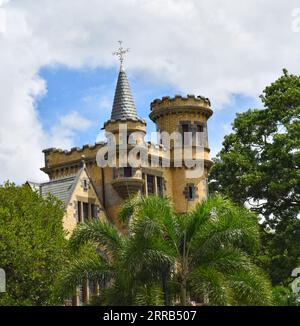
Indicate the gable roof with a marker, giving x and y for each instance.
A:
(60, 188)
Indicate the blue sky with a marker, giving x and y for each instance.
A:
(49, 98)
(90, 93)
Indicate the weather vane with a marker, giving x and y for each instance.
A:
(121, 53)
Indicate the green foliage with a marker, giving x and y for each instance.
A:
(260, 160)
(283, 296)
(260, 165)
(32, 247)
(204, 256)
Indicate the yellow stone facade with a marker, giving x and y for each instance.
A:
(86, 196)
(110, 184)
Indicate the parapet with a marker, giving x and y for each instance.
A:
(167, 105)
(73, 150)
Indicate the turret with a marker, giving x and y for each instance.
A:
(123, 123)
(187, 116)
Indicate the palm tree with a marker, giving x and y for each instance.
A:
(203, 256)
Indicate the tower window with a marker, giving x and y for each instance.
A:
(185, 136)
(199, 128)
(191, 192)
(200, 135)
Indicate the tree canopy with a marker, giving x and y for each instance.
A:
(260, 161)
(259, 165)
(32, 246)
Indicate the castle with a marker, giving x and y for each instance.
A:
(90, 191)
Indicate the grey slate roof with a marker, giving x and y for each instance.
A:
(123, 107)
(60, 188)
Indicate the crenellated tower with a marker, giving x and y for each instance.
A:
(187, 116)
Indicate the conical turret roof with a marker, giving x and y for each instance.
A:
(123, 107)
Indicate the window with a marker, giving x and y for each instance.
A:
(85, 211)
(199, 136)
(128, 172)
(185, 136)
(144, 188)
(191, 192)
(199, 128)
(150, 184)
(79, 212)
(85, 184)
(160, 186)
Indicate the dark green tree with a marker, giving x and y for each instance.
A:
(32, 246)
(260, 165)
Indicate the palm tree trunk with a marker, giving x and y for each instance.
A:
(183, 293)
(183, 301)
(165, 288)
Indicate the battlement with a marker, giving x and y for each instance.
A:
(180, 100)
(53, 150)
(171, 105)
(60, 162)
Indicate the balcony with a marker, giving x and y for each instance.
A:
(127, 182)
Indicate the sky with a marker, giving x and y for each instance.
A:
(58, 74)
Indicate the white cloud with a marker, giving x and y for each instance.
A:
(215, 48)
(62, 135)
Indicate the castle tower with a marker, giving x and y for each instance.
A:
(128, 130)
(187, 116)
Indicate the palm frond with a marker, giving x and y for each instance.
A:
(224, 259)
(83, 268)
(100, 233)
(149, 295)
(251, 288)
(211, 286)
(227, 225)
